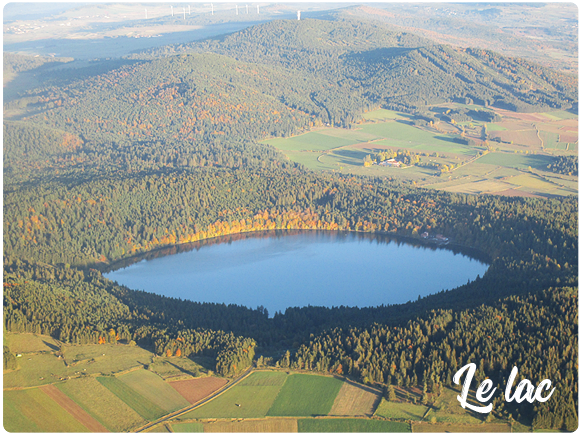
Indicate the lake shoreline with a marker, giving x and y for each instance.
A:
(178, 248)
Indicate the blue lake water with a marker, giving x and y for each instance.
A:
(309, 268)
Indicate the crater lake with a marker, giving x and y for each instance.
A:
(281, 269)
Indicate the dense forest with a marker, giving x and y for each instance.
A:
(125, 157)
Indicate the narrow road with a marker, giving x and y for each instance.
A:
(197, 404)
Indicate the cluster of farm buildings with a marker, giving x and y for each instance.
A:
(391, 162)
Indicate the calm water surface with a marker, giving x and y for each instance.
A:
(310, 268)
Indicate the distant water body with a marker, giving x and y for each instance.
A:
(280, 270)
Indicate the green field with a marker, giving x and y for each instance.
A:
(153, 388)
(401, 133)
(265, 379)
(550, 139)
(33, 411)
(101, 404)
(310, 160)
(187, 427)
(311, 142)
(403, 411)
(532, 181)
(495, 127)
(144, 407)
(350, 425)
(254, 400)
(306, 395)
(518, 161)
(383, 115)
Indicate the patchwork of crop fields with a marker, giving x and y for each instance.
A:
(34, 411)
(265, 401)
(522, 141)
(102, 404)
(141, 405)
(41, 366)
(244, 400)
(73, 409)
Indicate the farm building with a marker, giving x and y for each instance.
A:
(391, 162)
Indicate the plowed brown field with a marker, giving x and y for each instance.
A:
(354, 399)
(196, 389)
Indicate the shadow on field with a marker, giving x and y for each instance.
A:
(50, 345)
(350, 154)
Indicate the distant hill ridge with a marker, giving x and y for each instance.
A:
(392, 67)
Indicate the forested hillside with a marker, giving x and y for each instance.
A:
(391, 67)
(126, 156)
